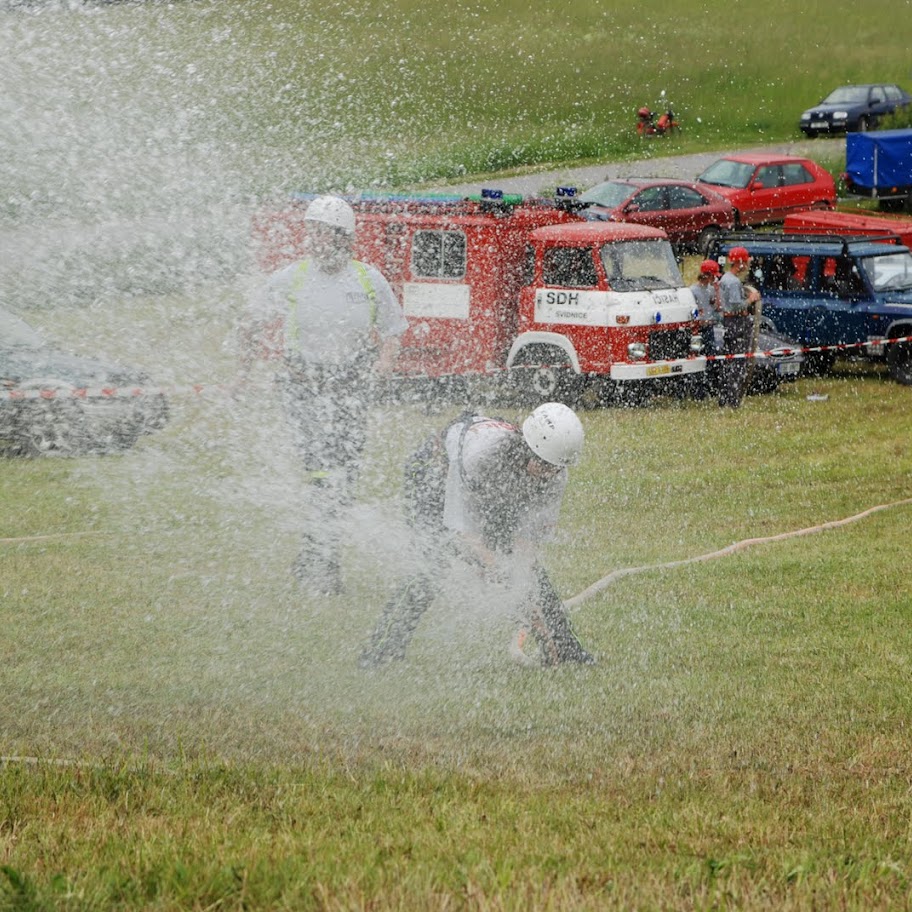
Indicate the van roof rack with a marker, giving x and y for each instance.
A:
(746, 238)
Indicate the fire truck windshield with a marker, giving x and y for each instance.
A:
(641, 265)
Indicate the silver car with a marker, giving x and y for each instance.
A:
(53, 403)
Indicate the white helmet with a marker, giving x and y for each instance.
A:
(331, 210)
(554, 434)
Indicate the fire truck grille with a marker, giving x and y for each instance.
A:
(669, 344)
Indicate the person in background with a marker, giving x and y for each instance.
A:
(332, 323)
(502, 497)
(706, 294)
(737, 305)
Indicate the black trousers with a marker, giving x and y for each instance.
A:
(736, 340)
(400, 616)
(326, 412)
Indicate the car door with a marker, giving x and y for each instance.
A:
(688, 212)
(788, 287)
(840, 314)
(649, 207)
(764, 192)
(799, 190)
(877, 101)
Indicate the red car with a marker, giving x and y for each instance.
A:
(691, 216)
(765, 188)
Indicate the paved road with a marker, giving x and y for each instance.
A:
(685, 167)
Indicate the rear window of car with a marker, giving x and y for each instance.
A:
(796, 173)
(684, 198)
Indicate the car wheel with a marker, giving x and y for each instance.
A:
(818, 364)
(764, 380)
(707, 238)
(899, 362)
(864, 124)
(50, 428)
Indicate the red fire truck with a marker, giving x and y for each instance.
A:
(522, 289)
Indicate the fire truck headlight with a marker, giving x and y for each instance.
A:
(696, 344)
(636, 351)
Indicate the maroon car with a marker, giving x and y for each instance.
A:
(691, 216)
(764, 189)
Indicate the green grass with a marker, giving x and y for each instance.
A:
(270, 96)
(743, 741)
(184, 729)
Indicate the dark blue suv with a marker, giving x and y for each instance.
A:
(825, 290)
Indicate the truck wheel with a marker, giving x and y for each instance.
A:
(899, 361)
(551, 384)
(535, 384)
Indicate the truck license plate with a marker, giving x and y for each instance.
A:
(654, 370)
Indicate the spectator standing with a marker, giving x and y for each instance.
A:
(706, 295)
(737, 305)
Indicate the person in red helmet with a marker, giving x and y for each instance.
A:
(706, 295)
(737, 306)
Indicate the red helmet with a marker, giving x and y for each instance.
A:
(709, 267)
(644, 112)
(738, 255)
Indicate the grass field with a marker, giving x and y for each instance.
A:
(202, 736)
(182, 728)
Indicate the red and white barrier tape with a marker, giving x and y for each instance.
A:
(103, 392)
(133, 392)
(838, 346)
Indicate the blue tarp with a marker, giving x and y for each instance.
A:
(881, 159)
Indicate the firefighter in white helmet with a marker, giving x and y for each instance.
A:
(334, 324)
(503, 485)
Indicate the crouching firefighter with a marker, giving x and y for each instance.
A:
(488, 493)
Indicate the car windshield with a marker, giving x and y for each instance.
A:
(889, 273)
(610, 194)
(16, 333)
(727, 173)
(641, 265)
(847, 95)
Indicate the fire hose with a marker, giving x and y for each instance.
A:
(734, 548)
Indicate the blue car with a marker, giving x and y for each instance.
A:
(853, 108)
(828, 291)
